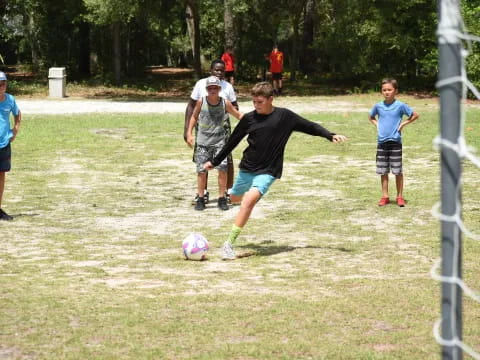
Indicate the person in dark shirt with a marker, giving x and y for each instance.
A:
(268, 129)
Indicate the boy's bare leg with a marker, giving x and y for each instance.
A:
(248, 203)
(222, 183)
(2, 186)
(384, 181)
(201, 183)
(275, 86)
(399, 183)
(236, 200)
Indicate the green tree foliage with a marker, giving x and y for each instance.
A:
(347, 40)
(43, 33)
(471, 12)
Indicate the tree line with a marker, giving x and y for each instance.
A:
(321, 39)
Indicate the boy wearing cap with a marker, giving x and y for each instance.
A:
(217, 68)
(209, 113)
(7, 135)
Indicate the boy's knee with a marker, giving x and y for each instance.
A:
(236, 199)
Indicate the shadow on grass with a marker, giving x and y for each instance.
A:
(264, 249)
(23, 215)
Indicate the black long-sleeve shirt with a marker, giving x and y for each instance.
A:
(267, 137)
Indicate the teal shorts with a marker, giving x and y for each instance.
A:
(245, 181)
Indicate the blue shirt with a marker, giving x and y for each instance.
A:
(389, 119)
(7, 106)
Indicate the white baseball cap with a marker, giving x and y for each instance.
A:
(3, 76)
(212, 81)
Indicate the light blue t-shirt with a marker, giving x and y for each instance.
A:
(7, 106)
(389, 119)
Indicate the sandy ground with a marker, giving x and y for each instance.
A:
(67, 106)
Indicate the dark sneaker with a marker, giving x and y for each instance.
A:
(206, 196)
(227, 196)
(5, 216)
(194, 201)
(200, 204)
(222, 203)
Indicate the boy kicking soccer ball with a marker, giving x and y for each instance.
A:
(268, 129)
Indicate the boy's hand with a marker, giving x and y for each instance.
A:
(208, 166)
(190, 140)
(339, 138)
(14, 132)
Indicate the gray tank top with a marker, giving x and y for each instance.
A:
(210, 124)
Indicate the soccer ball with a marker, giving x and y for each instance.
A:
(195, 247)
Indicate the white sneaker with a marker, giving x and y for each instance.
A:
(227, 251)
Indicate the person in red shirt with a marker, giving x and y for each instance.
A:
(229, 61)
(276, 68)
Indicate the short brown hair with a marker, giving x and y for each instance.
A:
(391, 81)
(263, 88)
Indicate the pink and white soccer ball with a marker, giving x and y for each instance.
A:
(195, 247)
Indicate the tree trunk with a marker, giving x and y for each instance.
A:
(297, 10)
(84, 49)
(294, 51)
(3, 7)
(307, 59)
(229, 24)
(193, 24)
(117, 57)
(32, 38)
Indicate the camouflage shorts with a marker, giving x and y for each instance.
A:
(205, 153)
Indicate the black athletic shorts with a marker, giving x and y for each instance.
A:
(277, 76)
(5, 158)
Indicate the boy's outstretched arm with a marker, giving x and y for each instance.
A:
(411, 119)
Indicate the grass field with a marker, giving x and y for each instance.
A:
(91, 267)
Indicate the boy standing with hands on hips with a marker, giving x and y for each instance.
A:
(387, 117)
(7, 135)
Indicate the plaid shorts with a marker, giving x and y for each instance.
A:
(389, 156)
(5, 158)
(205, 153)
